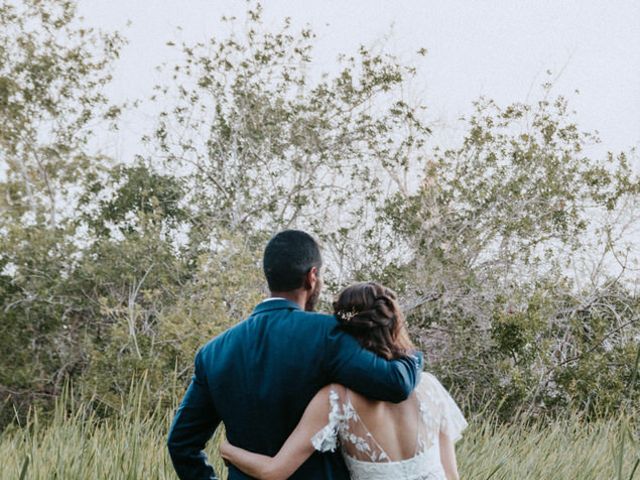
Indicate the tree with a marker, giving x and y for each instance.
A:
(493, 232)
(112, 269)
(263, 145)
(52, 72)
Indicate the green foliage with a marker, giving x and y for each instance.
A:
(492, 231)
(142, 199)
(157, 322)
(52, 72)
(264, 144)
(111, 269)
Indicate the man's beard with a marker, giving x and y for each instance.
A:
(312, 301)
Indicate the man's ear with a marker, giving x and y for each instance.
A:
(311, 278)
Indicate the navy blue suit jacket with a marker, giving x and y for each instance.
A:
(258, 378)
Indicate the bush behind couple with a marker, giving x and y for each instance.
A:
(305, 395)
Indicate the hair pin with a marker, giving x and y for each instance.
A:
(346, 316)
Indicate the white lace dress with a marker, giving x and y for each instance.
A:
(365, 458)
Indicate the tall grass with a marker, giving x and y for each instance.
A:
(74, 444)
(564, 449)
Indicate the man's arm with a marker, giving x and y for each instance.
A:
(359, 369)
(194, 424)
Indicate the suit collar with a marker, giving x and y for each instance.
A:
(275, 304)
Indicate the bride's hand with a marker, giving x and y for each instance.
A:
(225, 450)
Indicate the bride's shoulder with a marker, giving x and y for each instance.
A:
(437, 403)
(330, 393)
(428, 381)
(428, 378)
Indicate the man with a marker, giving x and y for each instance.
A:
(259, 376)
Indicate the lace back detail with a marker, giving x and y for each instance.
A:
(357, 440)
(346, 427)
(436, 412)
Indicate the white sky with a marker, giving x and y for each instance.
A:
(498, 48)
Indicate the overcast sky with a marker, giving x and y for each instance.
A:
(498, 48)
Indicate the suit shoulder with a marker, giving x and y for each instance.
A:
(222, 337)
(318, 319)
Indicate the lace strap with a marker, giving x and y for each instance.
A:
(326, 440)
(362, 443)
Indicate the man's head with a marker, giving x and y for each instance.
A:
(292, 264)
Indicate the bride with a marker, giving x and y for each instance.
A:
(411, 440)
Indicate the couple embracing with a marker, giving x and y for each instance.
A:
(311, 396)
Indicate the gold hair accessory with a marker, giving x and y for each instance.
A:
(346, 316)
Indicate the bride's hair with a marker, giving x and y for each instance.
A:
(370, 312)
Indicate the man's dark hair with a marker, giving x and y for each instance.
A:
(288, 257)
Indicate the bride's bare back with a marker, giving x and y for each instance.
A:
(388, 427)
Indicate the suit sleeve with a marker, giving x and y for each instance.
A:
(193, 426)
(360, 370)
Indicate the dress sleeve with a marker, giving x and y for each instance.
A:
(326, 440)
(452, 421)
